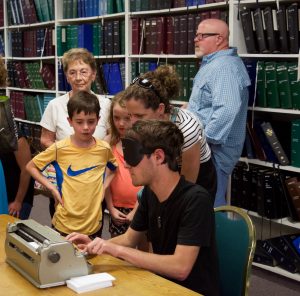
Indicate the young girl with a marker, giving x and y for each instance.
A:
(121, 197)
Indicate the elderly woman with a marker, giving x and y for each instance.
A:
(79, 66)
(80, 69)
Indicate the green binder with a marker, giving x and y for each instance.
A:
(261, 85)
(284, 90)
(271, 84)
(185, 82)
(294, 84)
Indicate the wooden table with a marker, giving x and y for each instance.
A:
(129, 281)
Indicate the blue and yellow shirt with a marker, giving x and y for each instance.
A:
(80, 175)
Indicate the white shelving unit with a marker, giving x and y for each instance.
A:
(236, 39)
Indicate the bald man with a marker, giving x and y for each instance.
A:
(220, 99)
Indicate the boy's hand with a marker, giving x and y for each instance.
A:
(56, 195)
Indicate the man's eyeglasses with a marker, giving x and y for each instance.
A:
(145, 83)
(201, 36)
(82, 73)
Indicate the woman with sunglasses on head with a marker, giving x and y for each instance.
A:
(148, 98)
(80, 69)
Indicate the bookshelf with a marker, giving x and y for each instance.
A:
(62, 18)
(269, 113)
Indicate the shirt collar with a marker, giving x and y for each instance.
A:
(232, 51)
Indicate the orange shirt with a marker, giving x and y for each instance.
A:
(124, 194)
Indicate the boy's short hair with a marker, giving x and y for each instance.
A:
(78, 54)
(83, 101)
(154, 134)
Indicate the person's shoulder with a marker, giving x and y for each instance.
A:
(104, 100)
(59, 100)
(195, 192)
(62, 143)
(102, 144)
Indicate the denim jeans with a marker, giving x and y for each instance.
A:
(222, 183)
(25, 211)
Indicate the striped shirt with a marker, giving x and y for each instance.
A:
(220, 99)
(192, 130)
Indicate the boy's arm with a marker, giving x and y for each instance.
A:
(38, 176)
(110, 174)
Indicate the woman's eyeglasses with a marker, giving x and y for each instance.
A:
(145, 83)
(82, 73)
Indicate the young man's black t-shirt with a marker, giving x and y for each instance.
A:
(185, 218)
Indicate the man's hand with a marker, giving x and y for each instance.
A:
(80, 240)
(99, 246)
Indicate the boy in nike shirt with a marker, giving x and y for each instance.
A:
(84, 168)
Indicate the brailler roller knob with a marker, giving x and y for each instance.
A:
(53, 257)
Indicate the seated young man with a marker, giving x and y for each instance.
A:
(177, 215)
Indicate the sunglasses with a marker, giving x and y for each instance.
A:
(145, 83)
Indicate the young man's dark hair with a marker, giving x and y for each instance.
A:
(83, 101)
(159, 134)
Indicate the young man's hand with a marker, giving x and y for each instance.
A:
(100, 246)
(80, 240)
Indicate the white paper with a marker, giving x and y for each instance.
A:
(90, 282)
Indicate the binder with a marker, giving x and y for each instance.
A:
(284, 262)
(261, 256)
(271, 33)
(249, 34)
(261, 94)
(271, 84)
(275, 144)
(288, 251)
(260, 31)
(259, 152)
(284, 90)
(282, 29)
(295, 143)
(293, 27)
(293, 187)
(294, 84)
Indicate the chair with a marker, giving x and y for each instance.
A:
(235, 236)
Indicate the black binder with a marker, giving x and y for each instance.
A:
(293, 27)
(281, 259)
(272, 35)
(249, 34)
(282, 29)
(275, 144)
(260, 32)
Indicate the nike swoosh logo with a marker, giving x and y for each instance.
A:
(72, 173)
